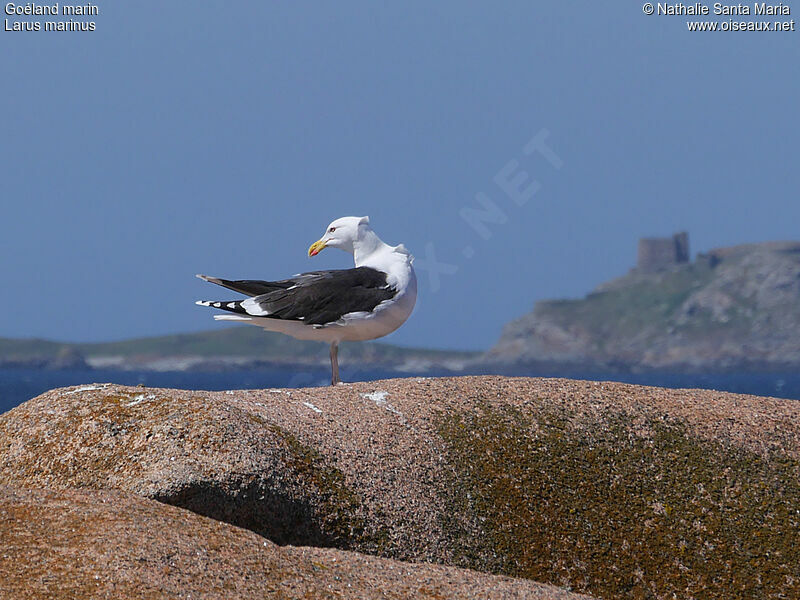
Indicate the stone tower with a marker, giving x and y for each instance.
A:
(657, 254)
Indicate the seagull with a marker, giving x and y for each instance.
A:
(366, 302)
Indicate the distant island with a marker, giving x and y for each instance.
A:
(735, 308)
(235, 348)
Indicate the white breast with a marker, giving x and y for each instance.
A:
(384, 319)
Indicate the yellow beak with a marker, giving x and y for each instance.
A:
(316, 247)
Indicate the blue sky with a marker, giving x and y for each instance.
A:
(221, 138)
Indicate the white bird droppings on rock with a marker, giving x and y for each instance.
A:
(379, 398)
(86, 388)
(140, 398)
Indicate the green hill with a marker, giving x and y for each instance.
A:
(230, 343)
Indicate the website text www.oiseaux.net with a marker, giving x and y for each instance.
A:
(731, 25)
(733, 12)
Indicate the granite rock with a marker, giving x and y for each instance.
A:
(615, 490)
(85, 544)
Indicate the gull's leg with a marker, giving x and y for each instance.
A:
(335, 363)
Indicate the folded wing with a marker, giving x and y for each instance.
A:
(315, 298)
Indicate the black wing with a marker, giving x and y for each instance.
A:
(314, 298)
(249, 287)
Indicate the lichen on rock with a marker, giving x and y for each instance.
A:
(606, 508)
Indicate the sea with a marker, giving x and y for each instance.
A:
(19, 385)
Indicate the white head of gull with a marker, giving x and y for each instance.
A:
(366, 302)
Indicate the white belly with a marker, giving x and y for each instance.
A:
(386, 317)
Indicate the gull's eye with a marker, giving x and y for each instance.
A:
(332, 229)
